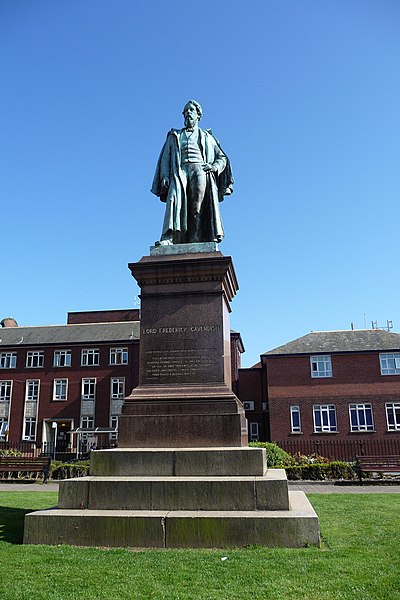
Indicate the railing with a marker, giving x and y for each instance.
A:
(342, 449)
(62, 452)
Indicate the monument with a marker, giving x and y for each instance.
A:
(182, 475)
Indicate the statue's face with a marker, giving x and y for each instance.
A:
(190, 115)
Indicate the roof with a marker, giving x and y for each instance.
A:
(70, 334)
(362, 340)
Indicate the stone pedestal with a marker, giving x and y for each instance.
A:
(184, 397)
(180, 477)
(177, 498)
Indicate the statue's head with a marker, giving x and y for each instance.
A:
(192, 113)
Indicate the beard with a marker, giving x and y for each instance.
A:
(190, 121)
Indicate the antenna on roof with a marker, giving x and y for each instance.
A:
(387, 327)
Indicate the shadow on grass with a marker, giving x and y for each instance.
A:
(12, 524)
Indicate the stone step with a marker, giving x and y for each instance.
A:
(181, 462)
(295, 527)
(177, 493)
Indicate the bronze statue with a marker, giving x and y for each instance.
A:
(193, 175)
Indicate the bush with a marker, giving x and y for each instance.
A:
(60, 470)
(275, 455)
(10, 452)
(320, 471)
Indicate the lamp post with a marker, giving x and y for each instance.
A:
(54, 426)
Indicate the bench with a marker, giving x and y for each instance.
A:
(26, 464)
(377, 464)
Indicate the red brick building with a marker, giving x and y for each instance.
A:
(60, 378)
(332, 387)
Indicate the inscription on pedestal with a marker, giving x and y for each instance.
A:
(180, 364)
(181, 354)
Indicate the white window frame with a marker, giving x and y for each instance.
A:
(90, 357)
(8, 360)
(32, 423)
(62, 358)
(325, 411)
(393, 423)
(114, 424)
(87, 421)
(119, 356)
(321, 366)
(3, 428)
(254, 431)
(60, 390)
(390, 363)
(360, 411)
(32, 390)
(295, 410)
(34, 359)
(117, 389)
(248, 404)
(90, 393)
(6, 386)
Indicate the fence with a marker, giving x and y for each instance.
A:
(63, 451)
(342, 449)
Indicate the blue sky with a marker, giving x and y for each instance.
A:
(305, 99)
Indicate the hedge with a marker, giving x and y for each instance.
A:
(321, 471)
(60, 470)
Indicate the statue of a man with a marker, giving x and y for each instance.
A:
(193, 175)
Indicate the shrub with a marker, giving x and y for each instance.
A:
(320, 471)
(60, 470)
(10, 452)
(275, 455)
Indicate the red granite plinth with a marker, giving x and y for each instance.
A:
(184, 397)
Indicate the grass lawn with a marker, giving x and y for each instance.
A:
(359, 559)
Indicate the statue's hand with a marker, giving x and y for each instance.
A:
(209, 168)
(165, 182)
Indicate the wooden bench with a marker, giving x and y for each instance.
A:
(26, 464)
(377, 464)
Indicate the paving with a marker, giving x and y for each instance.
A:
(330, 487)
(308, 487)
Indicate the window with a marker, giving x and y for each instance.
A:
(87, 422)
(60, 388)
(295, 419)
(393, 416)
(88, 389)
(34, 360)
(117, 388)
(8, 360)
(62, 358)
(3, 429)
(114, 425)
(90, 358)
(325, 418)
(390, 363)
(5, 391)
(30, 429)
(254, 435)
(248, 405)
(118, 356)
(361, 417)
(321, 366)
(32, 390)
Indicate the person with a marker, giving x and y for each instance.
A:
(193, 175)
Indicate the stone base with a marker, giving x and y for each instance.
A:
(291, 528)
(179, 462)
(203, 421)
(177, 498)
